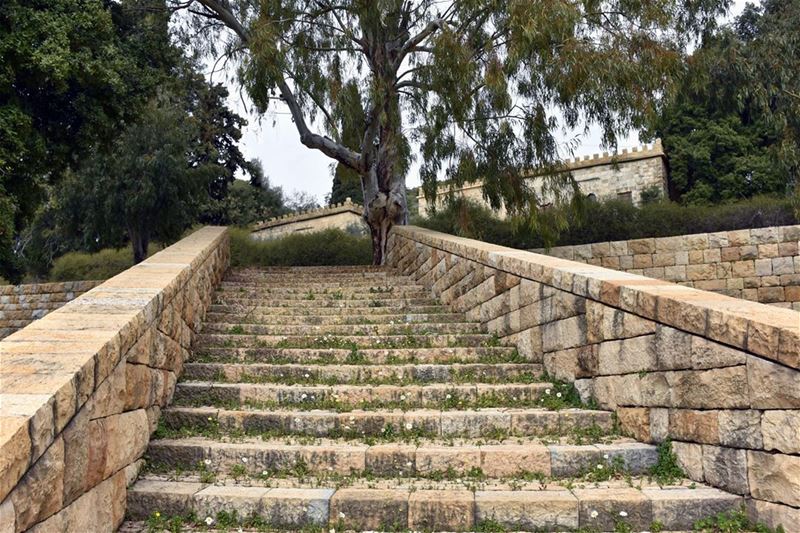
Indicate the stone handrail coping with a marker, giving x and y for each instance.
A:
(48, 288)
(49, 369)
(773, 333)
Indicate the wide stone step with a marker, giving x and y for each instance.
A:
(306, 294)
(341, 329)
(275, 458)
(430, 423)
(363, 374)
(368, 356)
(361, 310)
(339, 319)
(342, 341)
(356, 300)
(607, 507)
(437, 395)
(365, 286)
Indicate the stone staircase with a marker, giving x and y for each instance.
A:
(348, 398)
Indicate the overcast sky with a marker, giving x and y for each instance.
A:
(273, 139)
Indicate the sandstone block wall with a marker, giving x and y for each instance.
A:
(717, 375)
(760, 264)
(601, 176)
(22, 304)
(340, 216)
(81, 389)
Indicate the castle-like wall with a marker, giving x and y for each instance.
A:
(342, 216)
(22, 304)
(760, 264)
(81, 388)
(602, 176)
(716, 375)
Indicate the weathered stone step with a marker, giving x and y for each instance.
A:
(370, 356)
(267, 308)
(342, 341)
(423, 459)
(438, 395)
(306, 294)
(354, 300)
(389, 508)
(323, 287)
(342, 329)
(363, 374)
(477, 423)
(338, 319)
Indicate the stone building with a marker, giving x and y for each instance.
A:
(624, 175)
(345, 216)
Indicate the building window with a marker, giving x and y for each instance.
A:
(626, 196)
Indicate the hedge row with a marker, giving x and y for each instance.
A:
(615, 220)
(328, 247)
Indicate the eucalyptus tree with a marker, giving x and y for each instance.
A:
(482, 86)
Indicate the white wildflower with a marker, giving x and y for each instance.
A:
(207, 462)
(402, 396)
(304, 396)
(341, 515)
(599, 467)
(593, 514)
(558, 395)
(448, 397)
(409, 425)
(209, 520)
(244, 460)
(605, 456)
(547, 391)
(623, 514)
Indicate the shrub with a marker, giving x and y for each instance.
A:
(76, 266)
(617, 220)
(327, 247)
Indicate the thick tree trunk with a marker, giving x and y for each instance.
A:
(382, 210)
(140, 239)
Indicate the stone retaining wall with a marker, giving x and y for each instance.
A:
(22, 304)
(81, 389)
(717, 375)
(761, 264)
(344, 216)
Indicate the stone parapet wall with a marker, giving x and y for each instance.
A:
(717, 375)
(22, 304)
(600, 176)
(340, 216)
(761, 265)
(81, 389)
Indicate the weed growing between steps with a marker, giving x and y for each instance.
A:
(329, 401)
(666, 470)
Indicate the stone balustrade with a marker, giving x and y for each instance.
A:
(81, 388)
(22, 304)
(718, 376)
(760, 264)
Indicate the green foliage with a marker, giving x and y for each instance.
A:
(666, 470)
(328, 247)
(616, 220)
(732, 522)
(244, 204)
(104, 264)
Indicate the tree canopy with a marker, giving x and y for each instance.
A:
(728, 128)
(481, 85)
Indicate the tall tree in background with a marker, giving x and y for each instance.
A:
(481, 84)
(349, 115)
(727, 130)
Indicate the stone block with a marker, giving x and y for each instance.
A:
(600, 508)
(369, 509)
(771, 385)
(781, 431)
(774, 477)
(627, 356)
(635, 422)
(613, 391)
(508, 460)
(563, 334)
(396, 460)
(547, 510)
(690, 458)
(441, 510)
(740, 429)
(39, 494)
(694, 426)
(672, 348)
(680, 508)
(726, 468)
(432, 459)
(244, 501)
(774, 515)
(707, 354)
(128, 434)
(719, 388)
(16, 451)
(297, 507)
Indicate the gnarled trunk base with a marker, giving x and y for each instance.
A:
(381, 213)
